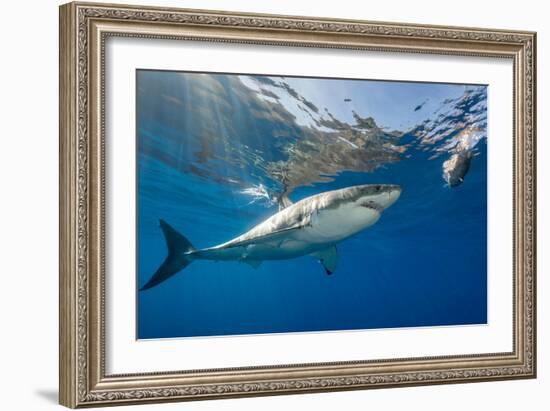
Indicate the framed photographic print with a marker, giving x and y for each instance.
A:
(257, 204)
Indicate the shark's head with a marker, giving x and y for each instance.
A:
(343, 212)
(375, 196)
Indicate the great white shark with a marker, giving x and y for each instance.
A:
(312, 226)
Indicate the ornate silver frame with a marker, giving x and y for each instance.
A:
(83, 30)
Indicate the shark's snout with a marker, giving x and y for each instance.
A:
(393, 195)
(379, 197)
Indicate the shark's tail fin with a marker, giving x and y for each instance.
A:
(177, 258)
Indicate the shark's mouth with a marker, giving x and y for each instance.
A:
(373, 205)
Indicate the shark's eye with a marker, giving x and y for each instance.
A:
(378, 188)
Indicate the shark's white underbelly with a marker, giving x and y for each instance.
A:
(291, 246)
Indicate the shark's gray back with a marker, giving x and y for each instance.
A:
(296, 215)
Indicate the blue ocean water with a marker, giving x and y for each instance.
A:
(215, 150)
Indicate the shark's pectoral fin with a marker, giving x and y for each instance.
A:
(253, 263)
(328, 259)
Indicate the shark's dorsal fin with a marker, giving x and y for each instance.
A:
(284, 201)
(328, 259)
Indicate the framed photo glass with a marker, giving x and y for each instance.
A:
(258, 204)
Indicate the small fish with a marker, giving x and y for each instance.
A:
(347, 100)
(456, 167)
(419, 107)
